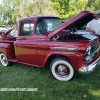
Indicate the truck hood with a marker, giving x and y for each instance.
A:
(75, 23)
(6, 33)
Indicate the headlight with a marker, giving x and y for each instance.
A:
(88, 50)
(88, 57)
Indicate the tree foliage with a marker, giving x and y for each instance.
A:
(96, 5)
(93, 5)
(68, 8)
(11, 11)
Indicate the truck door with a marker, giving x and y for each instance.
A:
(25, 45)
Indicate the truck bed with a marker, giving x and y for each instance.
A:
(8, 40)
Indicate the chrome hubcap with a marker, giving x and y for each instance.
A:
(62, 70)
(3, 60)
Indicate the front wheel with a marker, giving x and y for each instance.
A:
(4, 60)
(61, 69)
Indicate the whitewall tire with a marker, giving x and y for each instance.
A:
(4, 61)
(61, 69)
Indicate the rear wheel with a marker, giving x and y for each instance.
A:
(62, 70)
(4, 61)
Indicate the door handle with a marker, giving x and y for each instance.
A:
(18, 38)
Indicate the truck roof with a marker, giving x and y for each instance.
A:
(37, 17)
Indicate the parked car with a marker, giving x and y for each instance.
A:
(47, 41)
(2, 30)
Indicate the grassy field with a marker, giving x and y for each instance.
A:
(84, 87)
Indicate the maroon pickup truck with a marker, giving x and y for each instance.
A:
(43, 39)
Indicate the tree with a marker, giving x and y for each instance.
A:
(2, 23)
(62, 7)
(13, 10)
(93, 5)
(68, 8)
(96, 5)
(9, 11)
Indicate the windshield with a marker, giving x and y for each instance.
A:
(47, 25)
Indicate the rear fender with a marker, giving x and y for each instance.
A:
(8, 50)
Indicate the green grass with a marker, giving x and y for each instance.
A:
(85, 87)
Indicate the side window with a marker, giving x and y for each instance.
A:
(27, 29)
(41, 26)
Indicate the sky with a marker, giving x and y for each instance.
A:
(0, 1)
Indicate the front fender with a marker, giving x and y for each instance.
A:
(75, 58)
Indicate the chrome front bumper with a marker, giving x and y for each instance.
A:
(90, 67)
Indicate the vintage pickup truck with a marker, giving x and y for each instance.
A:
(43, 39)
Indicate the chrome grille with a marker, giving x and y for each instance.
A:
(95, 48)
(95, 40)
(93, 52)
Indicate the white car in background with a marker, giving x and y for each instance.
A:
(2, 29)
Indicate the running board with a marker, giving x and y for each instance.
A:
(13, 60)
